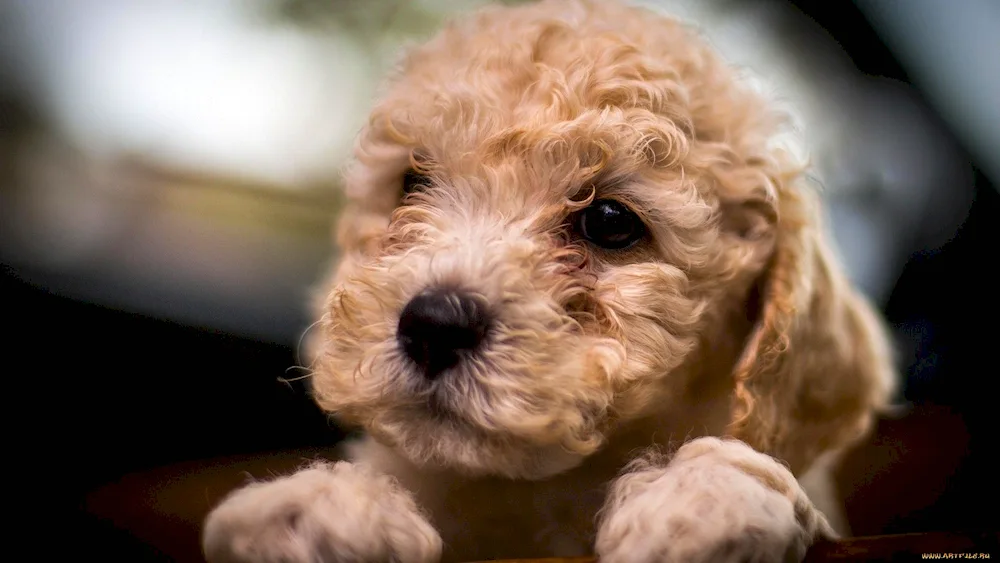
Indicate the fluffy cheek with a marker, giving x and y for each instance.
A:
(356, 340)
(554, 393)
(647, 308)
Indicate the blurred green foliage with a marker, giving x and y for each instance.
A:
(370, 20)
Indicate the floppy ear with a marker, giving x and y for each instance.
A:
(817, 364)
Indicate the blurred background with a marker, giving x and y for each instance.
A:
(168, 175)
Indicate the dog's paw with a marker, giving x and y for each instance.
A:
(327, 513)
(715, 501)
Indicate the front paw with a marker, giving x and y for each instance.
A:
(715, 501)
(327, 513)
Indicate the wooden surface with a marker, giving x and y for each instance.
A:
(902, 547)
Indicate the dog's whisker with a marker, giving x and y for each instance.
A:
(290, 380)
(298, 344)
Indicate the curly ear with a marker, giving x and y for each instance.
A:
(817, 364)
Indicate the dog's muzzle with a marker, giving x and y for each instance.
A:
(439, 326)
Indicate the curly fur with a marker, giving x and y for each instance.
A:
(733, 318)
(689, 501)
(303, 523)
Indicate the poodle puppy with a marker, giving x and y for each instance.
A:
(585, 304)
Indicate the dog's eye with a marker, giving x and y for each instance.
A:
(609, 224)
(414, 181)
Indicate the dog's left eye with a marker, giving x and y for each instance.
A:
(414, 181)
(610, 224)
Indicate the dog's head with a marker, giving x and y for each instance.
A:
(557, 215)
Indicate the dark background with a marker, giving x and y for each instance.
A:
(97, 393)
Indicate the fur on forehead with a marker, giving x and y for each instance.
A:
(537, 104)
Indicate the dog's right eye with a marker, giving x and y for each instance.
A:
(414, 181)
(610, 224)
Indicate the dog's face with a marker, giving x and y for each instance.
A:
(552, 209)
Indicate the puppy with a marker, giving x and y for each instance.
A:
(585, 304)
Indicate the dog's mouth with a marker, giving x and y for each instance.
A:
(499, 410)
(440, 408)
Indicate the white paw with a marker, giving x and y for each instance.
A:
(328, 513)
(716, 501)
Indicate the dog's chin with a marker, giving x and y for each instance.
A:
(444, 441)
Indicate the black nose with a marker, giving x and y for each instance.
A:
(438, 325)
